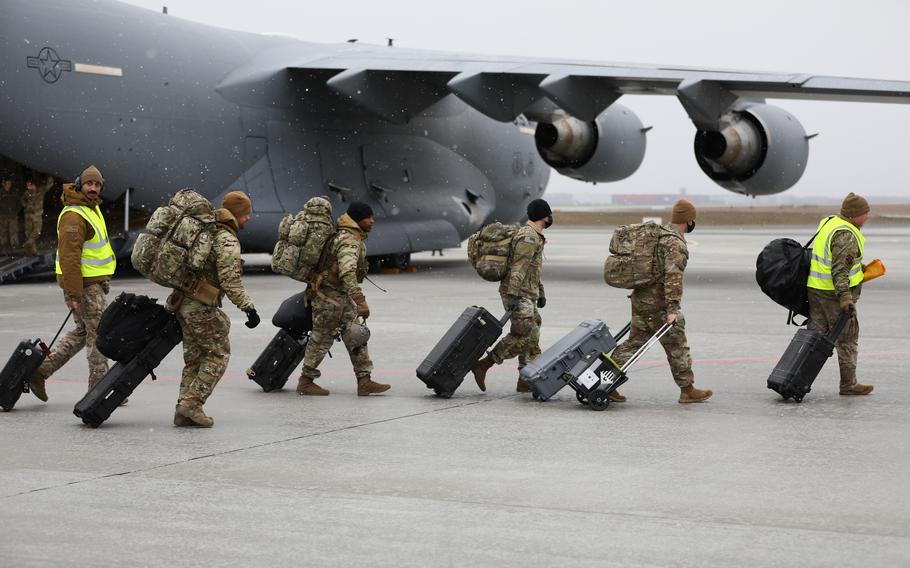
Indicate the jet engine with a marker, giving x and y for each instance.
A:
(609, 148)
(758, 150)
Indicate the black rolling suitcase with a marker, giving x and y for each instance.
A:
(123, 378)
(463, 344)
(17, 372)
(804, 358)
(285, 351)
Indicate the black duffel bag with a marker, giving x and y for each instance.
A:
(294, 316)
(128, 324)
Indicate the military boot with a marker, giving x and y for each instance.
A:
(192, 411)
(366, 386)
(180, 420)
(691, 394)
(480, 372)
(306, 386)
(616, 397)
(522, 386)
(37, 385)
(857, 389)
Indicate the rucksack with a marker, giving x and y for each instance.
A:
(302, 238)
(178, 241)
(128, 324)
(782, 271)
(633, 262)
(489, 250)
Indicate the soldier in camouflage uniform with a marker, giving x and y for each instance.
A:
(522, 292)
(33, 204)
(85, 264)
(9, 216)
(659, 303)
(825, 304)
(338, 301)
(206, 328)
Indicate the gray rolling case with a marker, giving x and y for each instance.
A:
(567, 358)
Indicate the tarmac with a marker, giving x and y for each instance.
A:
(481, 479)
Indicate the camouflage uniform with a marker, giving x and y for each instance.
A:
(206, 328)
(651, 305)
(33, 204)
(824, 305)
(520, 289)
(333, 307)
(9, 220)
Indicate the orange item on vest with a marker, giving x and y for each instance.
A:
(873, 270)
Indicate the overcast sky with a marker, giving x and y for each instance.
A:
(861, 147)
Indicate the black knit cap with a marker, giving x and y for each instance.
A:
(358, 211)
(539, 209)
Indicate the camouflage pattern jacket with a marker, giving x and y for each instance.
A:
(844, 250)
(347, 258)
(72, 233)
(525, 263)
(9, 202)
(224, 267)
(33, 199)
(672, 257)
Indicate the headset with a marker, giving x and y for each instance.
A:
(78, 183)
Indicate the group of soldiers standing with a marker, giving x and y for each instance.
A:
(86, 263)
(28, 200)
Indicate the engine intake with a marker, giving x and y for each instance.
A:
(610, 148)
(759, 150)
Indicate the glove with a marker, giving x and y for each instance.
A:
(363, 310)
(541, 302)
(252, 318)
(847, 305)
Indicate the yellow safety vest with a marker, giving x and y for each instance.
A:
(98, 257)
(820, 268)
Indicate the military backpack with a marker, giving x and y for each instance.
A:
(633, 262)
(178, 241)
(489, 250)
(302, 239)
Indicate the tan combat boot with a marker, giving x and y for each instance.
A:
(691, 394)
(522, 386)
(366, 386)
(856, 389)
(181, 421)
(192, 411)
(480, 372)
(616, 397)
(37, 386)
(306, 386)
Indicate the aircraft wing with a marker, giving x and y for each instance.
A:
(397, 83)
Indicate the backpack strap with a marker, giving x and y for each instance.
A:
(808, 244)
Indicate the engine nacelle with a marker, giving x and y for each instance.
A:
(608, 149)
(759, 150)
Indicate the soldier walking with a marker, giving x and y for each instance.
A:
(206, 328)
(33, 204)
(338, 301)
(9, 216)
(836, 281)
(85, 265)
(522, 292)
(659, 303)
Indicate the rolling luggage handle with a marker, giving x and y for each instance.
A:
(842, 320)
(47, 348)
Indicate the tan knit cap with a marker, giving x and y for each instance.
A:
(683, 212)
(91, 173)
(854, 206)
(237, 203)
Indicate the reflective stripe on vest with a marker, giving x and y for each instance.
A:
(97, 254)
(820, 277)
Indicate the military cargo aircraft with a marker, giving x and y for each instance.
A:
(438, 143)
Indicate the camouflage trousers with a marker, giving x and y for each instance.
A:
(329, 321)
(91, 307)
(33, 222)
(646, 320)
(9, 233)
(823, 312)
(523, 339)
(206, 349)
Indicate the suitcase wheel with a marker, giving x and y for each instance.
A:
(91, 423)
(581, 397)
(599, 400)
(798, 398)
(443, 393)
(7, 408)
(537, 397)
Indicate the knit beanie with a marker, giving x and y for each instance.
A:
(539, 209)
(358, 211)
(237, 203)
(683, 212)
(853, 206)
(91, 173)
